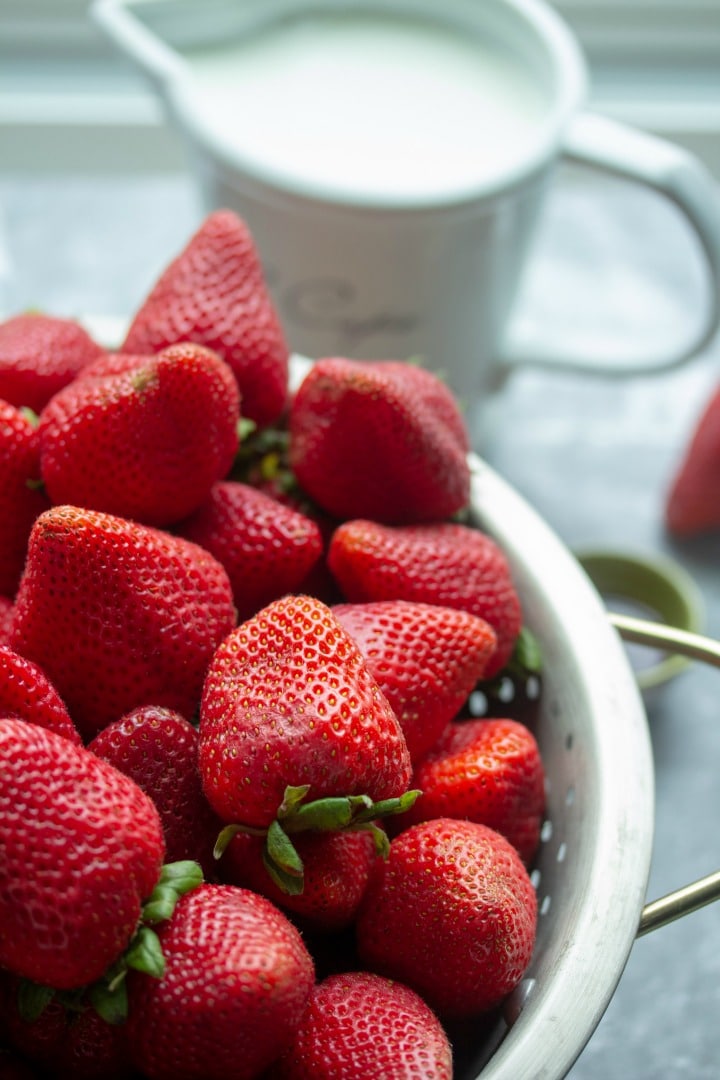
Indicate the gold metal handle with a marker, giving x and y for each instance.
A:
(697, 647)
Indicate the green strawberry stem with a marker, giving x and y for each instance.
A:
(335, 813)
(108, 996)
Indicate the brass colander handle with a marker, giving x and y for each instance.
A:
(697, 647)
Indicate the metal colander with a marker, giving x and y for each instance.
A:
(592, 868)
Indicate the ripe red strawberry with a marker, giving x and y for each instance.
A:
(214, 293)
(361, 1025)
(82, 848)
(20, 499)
(447, 564)
(7, 611)
(452, 913)
(382, 439)
(39, 354)
(147, 443)
(267, 549)
(289, 701)
(27, 693)
(75, 1043)
(488, 771)
(236, 983)
(693, 500)
(336, 872)
(426, 660)
(119, 614)
(158, 749)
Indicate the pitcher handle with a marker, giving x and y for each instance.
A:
(617, 148)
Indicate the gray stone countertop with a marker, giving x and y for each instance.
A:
(593, 455)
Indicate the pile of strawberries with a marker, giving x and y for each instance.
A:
(244, 831)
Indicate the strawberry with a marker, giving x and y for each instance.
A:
(147, 443)
(39, 354)
(289, 700)
(75, 1043)
(267, 549)
(360, 1025)
(693, 500)
(237, 979)
(336, 872)
(214, 294)
(451, 912)
(158, 749)
(7, 612)
(119, 614)
(382, 439)
(488, 771)
(20, 499)
(82, 848)
(27, 693)
(448, 564)
(289, 708)
(426, 660)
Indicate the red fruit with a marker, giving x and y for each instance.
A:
(693, 501)
(115, 363)
(157, 748)
(445, 564)
(236, 983)
(214, 294)
(360, 1026)
(426, 660)
(488, 771)
(118, 615)
(27, 693)
(383, 440)
(20, 499)
(336, 872)
(289, 700)
(267, 549)
(147, 443)
(74, 1043)
(7, 611)
(452, 913)
(39, 354)
(82, 848)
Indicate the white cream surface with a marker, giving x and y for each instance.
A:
(369, 103)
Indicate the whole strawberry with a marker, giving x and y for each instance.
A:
(426, 660)
(288, 700)
(118, 614)
(82, 848)
(147, 443)
(488, 771)
(236, 982)
(214, 294)
(360, 1026)
(382, 440)
(63, 1042)
(452, 913)
(295, 734)
(336, 871)
(447, 564)
(20, 498)
(39, 354)
(27, 693)
(158, 749)
(693, 500)
(268, 549)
